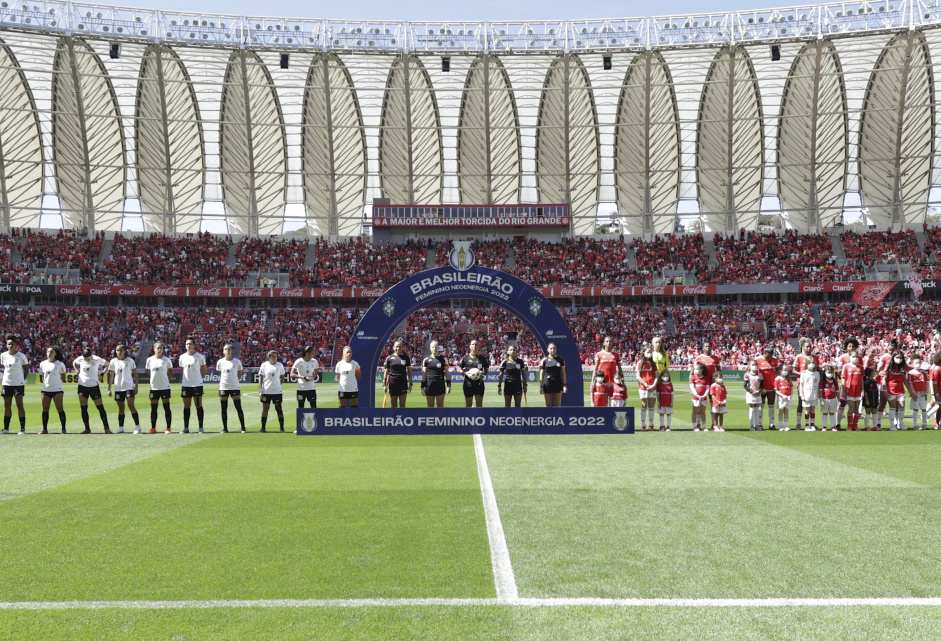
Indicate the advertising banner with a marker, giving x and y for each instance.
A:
(374, 421)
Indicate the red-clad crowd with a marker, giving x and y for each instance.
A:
(266, 255)
(578, 261)
(60, 250)
(488, 253)
(354, 262)
(766, 258)
(881, 247)
(155, 258)
(671, 252)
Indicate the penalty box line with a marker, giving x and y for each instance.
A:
(517, 602)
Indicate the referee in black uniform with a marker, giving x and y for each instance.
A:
(474, 390)
(398, 377)
(436, 377)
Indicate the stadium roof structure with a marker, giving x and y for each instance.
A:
(262, 124)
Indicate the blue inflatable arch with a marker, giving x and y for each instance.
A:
(478, 283)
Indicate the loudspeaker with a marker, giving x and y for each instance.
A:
(775, 53)
(115, 50)
(606, 61)
(284, 60)
(445, 64)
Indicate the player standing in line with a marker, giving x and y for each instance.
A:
(159, 366)
(15, 365)
(348, 374)
(754, 384)
(829, 395)
(699, 395)
(882, 367)
(800, 362)
(768, 366)
(647, 372)
(719, 396)
(122, 374)
(194, 369)
(934, 378)
(851, 379)
(619, 393)
(89, 367)
(270, 375)
(514, 370)
(711, 364)
(808, 389)
(660, 355)
(398, 375)
(783, 388)
(306, 371)
(918, 388)
(230, 373)
(870, 399)
(895, 382)
(607, 362)
(552, 376)
(474, 390)
(600, 391)
(52, 370)
(436, 376)
(665, 399)
(850, 346)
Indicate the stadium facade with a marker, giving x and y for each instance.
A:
(260, 124)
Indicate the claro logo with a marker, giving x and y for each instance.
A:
(812, 288)
(70, 290)
(129, 291)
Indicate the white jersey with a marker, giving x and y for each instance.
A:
(269, 377)
(52, 375)
(809, 386)
(14, 368)
(123, 373)
(346, 376)
(229, 372)
(192, 369)
(305, 368)
(159, 369)
(88, 370)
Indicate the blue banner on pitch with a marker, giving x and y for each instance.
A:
(465, 420)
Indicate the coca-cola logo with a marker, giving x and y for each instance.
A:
(372, 293)
(689, 290)
(209, 291)
(254, 291)
(293, 293)
(653, 291)
(166, 291)
(101, 291)
(70, 290)
(572, 291)
(129, 291)
(332, 292)
(812, 288)
(843, 288)
(612, 291)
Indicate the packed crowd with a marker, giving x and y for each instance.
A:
(488, 253)
(671, 252)
(787, 257)
(579, 261)
(60, 250)
(266, 255)
(354, 262)
(881, 247)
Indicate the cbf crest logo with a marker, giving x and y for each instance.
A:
(620, 421)
(309, 424)
(535, 306)
(388, 307)
(462, 257)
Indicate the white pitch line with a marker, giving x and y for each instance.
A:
(518, 602)
(503, 576)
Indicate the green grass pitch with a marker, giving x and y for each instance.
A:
(265, 517)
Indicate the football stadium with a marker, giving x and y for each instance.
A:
(470, 330)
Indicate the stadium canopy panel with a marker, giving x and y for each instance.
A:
(264, 119)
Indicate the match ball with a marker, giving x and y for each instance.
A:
(473, 374)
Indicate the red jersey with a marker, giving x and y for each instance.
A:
(768, 368)
(665, 394)
(934, 375)
(844, 360)
(852, 377)
(647, 373)
(711, 363)
(600, 394)
(718, 393)
(895, 382)
(829, 387)
(784, 386)
(919, 380)
(607, 364)
(618, 391)
(800, 361)
(699, 384)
